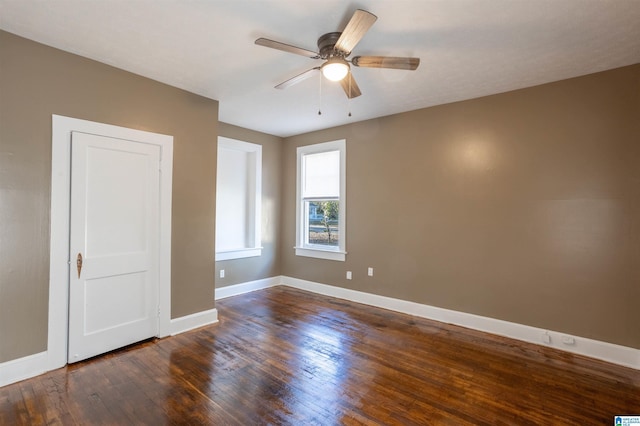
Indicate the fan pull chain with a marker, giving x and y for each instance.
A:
(349, 97)
(320, 95)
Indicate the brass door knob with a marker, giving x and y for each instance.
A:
(79, 264)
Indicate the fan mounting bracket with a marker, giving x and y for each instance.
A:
(326, 45)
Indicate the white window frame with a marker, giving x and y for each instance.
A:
(253, 248)
(322, 252)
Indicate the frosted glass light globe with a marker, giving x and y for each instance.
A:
(335, 69)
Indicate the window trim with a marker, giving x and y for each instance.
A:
(256, 187)
(302, 249)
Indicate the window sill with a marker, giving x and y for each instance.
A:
(321, 254)
(239, 253)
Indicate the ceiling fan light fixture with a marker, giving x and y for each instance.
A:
(335, 69)
(334, 48)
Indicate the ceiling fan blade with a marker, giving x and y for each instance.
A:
(350, 86)
(287, 48)
(298, 78)
(386, 62)
(359, 24)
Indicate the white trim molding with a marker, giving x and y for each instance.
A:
(238, 253)
(23, 368)
(616, 354)
(190, 322)
(33, 365)
(237, 289)
(59, 243)
(321, 254)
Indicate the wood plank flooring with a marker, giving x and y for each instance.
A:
(286, 357)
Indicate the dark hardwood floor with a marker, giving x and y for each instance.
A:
(286, 357)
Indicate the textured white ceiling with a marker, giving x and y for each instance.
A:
(468, 48)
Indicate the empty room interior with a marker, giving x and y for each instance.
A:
(200, 223)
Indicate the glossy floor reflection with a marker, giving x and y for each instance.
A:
(286, 357)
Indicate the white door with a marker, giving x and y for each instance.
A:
(114, 244)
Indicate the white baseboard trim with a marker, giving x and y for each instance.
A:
(23, 368)
(236, 289)
(189, 322)
(616, 354)
(33, 365)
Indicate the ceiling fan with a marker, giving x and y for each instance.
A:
(334, 48)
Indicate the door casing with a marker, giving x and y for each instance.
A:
(59, 245)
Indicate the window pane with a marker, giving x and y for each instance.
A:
(321, 175)
(322, 223)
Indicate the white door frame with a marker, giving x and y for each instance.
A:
(58, 331)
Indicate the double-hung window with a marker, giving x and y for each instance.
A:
(321, 203)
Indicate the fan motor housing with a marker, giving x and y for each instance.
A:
(326, 45)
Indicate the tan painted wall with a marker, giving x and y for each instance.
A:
(37, 81)
(523, 206)
(268, 264)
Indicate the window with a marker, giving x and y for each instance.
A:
(321, 203)
(238, 199)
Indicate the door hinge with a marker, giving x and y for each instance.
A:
(158, 311)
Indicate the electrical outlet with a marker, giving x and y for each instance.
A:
(349, 275)
(221, 273)
(370, 272)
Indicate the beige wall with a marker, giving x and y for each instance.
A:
(523, 206)
(268, 264)
(37, 81)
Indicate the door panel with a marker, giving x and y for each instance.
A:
(113, 299)
(115, 230)
(101, 307)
